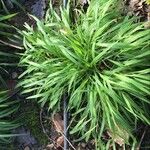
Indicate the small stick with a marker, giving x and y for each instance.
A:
(11, 45)
(66, 141)
(65, 122)
(44, 131)
(138, 147)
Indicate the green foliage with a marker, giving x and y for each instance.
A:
(11, 3)
(101, 61)
(9, 41)
(7, 108)
(4, 27)
(148, 2)
(7, 105)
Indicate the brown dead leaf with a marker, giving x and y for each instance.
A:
(59, 127)
(138, 8)
(60, 141)
(58, 123)
(27, 148)
(133, 3)
(120, 136)
(50, 146)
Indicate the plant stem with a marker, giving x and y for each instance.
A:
(65, 105)
(65, 122)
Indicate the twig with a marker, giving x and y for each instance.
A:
(41, 122)
(65, 121)
(11, 45)
(44, 131)
(138, 147)
(68, 141)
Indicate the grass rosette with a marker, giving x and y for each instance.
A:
(101, 61)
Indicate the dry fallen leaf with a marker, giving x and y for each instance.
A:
(138, 8)
(59, 127)
(120, 136)
(27, 148)
(50, 146)
(60, 141)
(58, 123)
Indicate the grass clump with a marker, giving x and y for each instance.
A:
(8, 105)
(7, 124)
(101, 61)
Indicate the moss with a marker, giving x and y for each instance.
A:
(9, 146)
(32, 121)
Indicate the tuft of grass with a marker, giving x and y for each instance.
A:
(7, 108)
(101, 61)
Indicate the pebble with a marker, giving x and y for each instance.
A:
(38, 9)
(27, 148)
